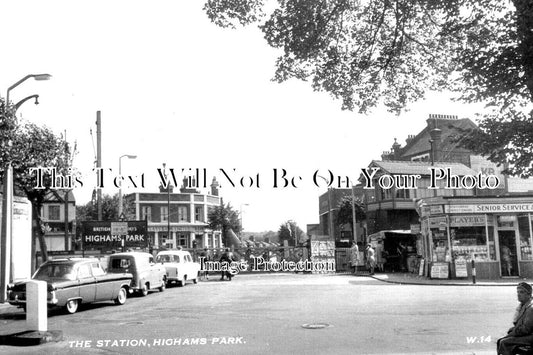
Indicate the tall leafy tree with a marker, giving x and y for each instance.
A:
(345, 214)
(290, 232)
(224, 218)
(26, 145)
(392, 52)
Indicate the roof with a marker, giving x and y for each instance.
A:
(449, 128)
(383, 234)
(395, 167)
(59, 196)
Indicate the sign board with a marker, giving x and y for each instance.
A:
(119, 228)
(109, 235)
(322, 252)
(469, 221)
(415, 228)
(460, 268)
(490, 208)
(436, 209)
(439, 271)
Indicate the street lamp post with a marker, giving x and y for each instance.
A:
(168, 204)
(6, 236)
(120, 203)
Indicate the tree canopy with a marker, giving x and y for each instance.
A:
(393, 52)
(223, 218)
(345, 214)
(26, 145)
(290, 232)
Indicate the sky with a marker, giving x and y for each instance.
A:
(174, 88)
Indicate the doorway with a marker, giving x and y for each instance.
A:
(508, 256)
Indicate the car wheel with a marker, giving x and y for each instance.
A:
(181, 283)
(197, 277)
(121, 297)
(72, 306)
(144, 290)
(163, 285)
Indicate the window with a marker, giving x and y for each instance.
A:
(84, 271)
(146, 213)
(53, 213)
(97, 269)
(182, 214)
(199, 214)
(164, 214)
(402, 193)
(182, 240)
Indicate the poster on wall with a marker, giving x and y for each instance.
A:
(460, 268)
(440, 271)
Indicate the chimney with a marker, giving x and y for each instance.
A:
(214, 187)
(436, 135)
(396, 150)
(409, 139)
(169, 188)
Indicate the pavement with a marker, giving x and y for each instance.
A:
(414, 279)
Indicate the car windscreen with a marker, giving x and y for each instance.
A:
(119, 263)
(167, 258)
(55, 271)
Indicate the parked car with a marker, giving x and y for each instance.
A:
(147, 275)
(179, 266)
(74, 281)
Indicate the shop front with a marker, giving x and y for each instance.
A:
(493, 234)
(398, 249)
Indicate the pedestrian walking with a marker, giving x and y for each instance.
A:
(354, 256)
(370, 258)
(380, 257)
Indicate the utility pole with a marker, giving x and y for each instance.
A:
(353, 217)
(99, 161)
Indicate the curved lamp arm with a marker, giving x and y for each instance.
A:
(18, 104)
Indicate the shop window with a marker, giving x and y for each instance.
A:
(470, 243)
(525, 238)
(440, 245)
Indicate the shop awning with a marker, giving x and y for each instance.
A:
(390, 233)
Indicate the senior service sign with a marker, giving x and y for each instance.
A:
(109, 235)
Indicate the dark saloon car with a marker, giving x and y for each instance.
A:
(74, 281)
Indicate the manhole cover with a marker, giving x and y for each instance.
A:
(315, 325)
(132, 323)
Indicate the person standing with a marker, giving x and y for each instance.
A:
(380, 259)
(370, 258)
(354, 256)
(521, 333)
(227, 258)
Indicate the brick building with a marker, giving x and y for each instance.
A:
(178, 219)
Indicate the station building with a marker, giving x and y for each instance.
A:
(178, 219)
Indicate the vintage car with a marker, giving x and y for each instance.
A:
(179, 266)
(74, 281)
(147, 275)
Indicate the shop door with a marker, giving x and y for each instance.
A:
(508, 256)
